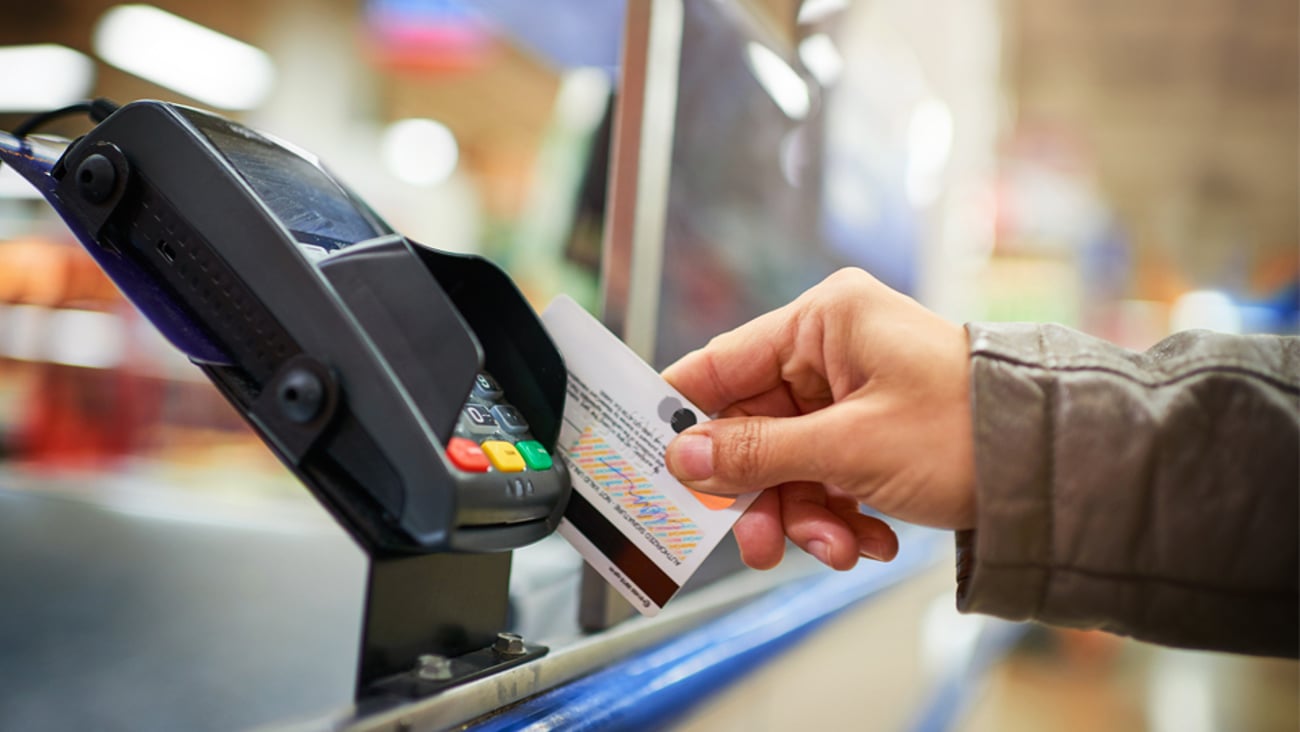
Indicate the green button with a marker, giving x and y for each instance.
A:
(534, 454)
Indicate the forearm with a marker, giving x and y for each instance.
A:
(1152, 494)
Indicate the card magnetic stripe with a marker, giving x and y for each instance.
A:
(620, 550)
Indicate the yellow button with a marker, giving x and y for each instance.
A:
(504, 456)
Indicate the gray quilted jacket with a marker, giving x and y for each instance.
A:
(1149, 494)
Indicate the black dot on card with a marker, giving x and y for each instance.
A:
(682, 419)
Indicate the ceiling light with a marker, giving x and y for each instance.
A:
(43, 77)
(813, 11)
(819, 54)
(184, 56)
(780, 81)
(421, 152)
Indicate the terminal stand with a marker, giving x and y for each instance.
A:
(433, 621)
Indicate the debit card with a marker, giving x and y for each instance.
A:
(636, 525)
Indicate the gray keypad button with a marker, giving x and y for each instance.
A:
(510, 419)
(478, 420)
(486, 387)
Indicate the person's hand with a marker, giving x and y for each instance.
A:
(853, 393)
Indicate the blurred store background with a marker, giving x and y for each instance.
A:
(1126, 168)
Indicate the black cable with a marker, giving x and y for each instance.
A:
(37, 120)
(97, 109)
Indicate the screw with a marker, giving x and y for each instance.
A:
(433, 667)
(509, 644)
(301, 395)
(96, 178)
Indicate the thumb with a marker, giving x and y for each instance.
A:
(737, 455)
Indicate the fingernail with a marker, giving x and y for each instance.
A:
(821, 550)
(692, 457)
(872, 549)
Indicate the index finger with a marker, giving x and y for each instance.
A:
(736, 365)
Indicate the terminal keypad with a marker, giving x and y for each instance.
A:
(493, 436)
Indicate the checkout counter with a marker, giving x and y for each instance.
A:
(153, 612)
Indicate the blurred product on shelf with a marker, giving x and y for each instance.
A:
(85, 383)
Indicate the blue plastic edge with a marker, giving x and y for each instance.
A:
(662, 684)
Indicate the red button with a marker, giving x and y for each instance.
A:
(467, 455)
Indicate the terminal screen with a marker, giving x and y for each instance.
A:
(321, 215)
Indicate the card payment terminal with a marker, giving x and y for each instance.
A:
(412, 390)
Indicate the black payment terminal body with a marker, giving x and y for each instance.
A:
(414, 391)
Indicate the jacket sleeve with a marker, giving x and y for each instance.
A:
(1148, 494)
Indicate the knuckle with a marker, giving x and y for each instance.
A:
(840, 294)
(745, 459)
(849, 278)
